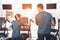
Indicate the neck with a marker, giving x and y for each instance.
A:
(40, 10)
(18, 20)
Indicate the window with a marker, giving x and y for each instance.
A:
(51, 6)
(25, 6)
(7, 6)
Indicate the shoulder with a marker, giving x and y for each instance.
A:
(20, 22)
(14, 21)
(49, 14)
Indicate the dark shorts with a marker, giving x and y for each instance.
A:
(41, 36)
(17, 38)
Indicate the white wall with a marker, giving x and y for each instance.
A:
(17, 5)
(0, 7)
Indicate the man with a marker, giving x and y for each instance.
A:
(15, 26)
(44, 20)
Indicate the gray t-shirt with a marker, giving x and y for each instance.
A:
(44, 19)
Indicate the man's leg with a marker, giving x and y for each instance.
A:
(47, 36)
(15, 38)
(40, 37)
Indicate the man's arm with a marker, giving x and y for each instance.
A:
(52, 22)
(36, 21)
(20, 24)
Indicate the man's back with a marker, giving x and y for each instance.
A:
(16, 31)
(44, 25)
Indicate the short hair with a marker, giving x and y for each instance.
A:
(18, 15)
(40, 6)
